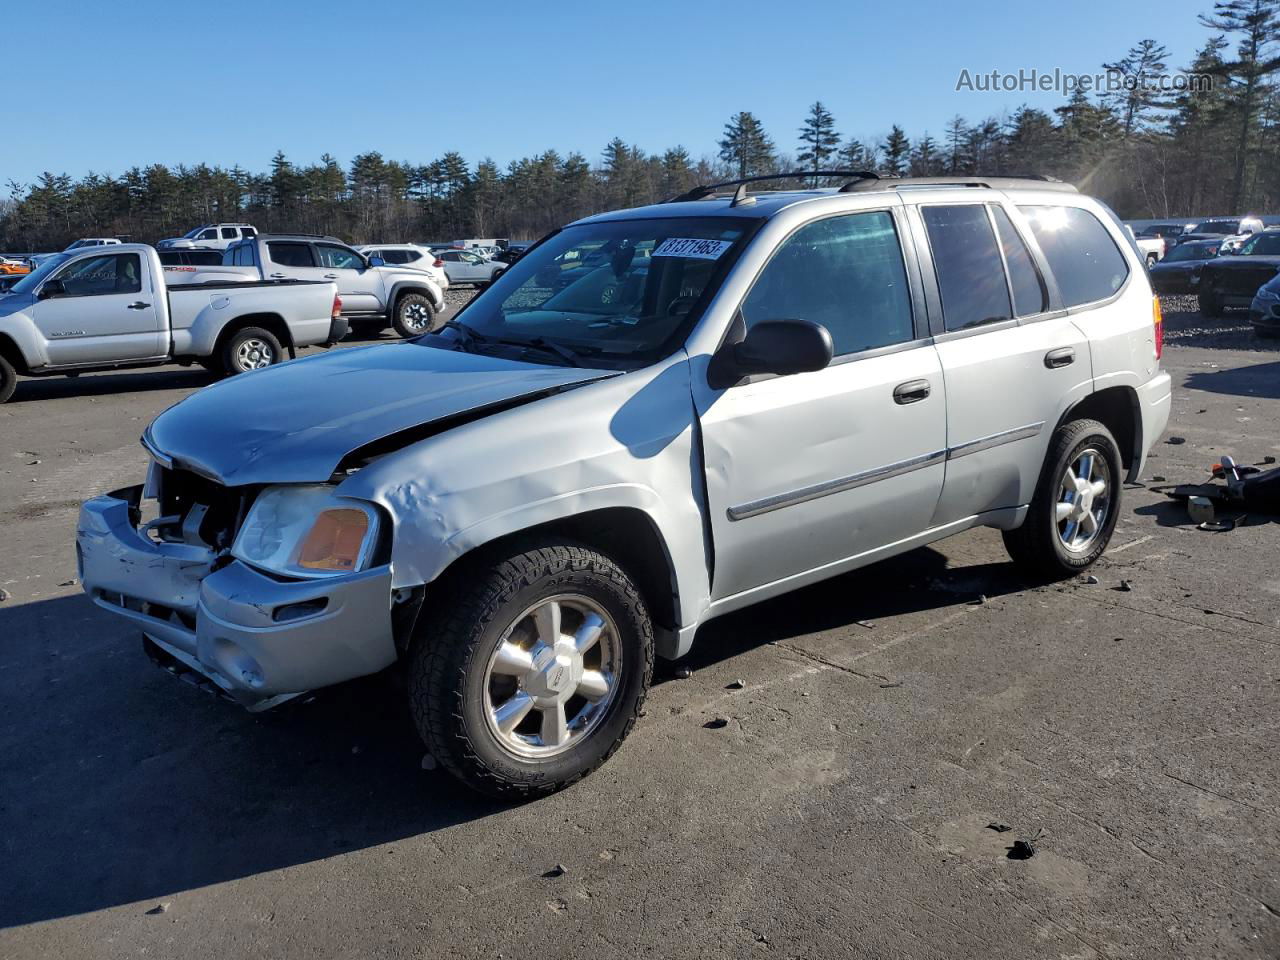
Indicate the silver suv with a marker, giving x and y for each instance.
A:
(526, 506)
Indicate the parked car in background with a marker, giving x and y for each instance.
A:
(464, 266)
(1264, 311)
(108, 309)
(1248, 227)
(213, 236)
(1233, 280)
(374, 295)
(527, 506)
(1219, 228)
(93, 242)
(13, 267)
(1164, 231)
(410, 255)
(1179, 271)
(1152, 248)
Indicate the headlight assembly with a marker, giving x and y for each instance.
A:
(1265, 294)
(307, 531)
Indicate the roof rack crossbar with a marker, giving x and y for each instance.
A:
(703, 191)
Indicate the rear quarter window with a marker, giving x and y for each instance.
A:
(1083, 257)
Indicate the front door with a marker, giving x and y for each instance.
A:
(810, 471)
(104, 312)
(358, 284)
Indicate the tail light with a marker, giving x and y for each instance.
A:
(1157, 320)
(439, 264)
(337, 308)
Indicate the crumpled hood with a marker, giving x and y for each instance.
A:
(294, 423)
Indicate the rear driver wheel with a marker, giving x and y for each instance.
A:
(250, 349)
(1076, 504)
(8, 380)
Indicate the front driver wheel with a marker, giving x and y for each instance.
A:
(8, 380)
(414, 315)
(1076, 504)
(534, 672)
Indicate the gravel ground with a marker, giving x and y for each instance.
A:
(1185, 327)
(823, 784)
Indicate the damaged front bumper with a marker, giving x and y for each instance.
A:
(260, 639)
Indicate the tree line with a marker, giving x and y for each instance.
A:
(1146, 151)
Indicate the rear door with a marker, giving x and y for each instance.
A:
(358, 285)
(1011, 358)
(106, 311)
(808, 471)
(290, 260)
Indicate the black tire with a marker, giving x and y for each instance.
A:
(414, 315)
(1152, 260)
(1210, 306)
(262, 349)
(448, 666)
(1038, 545)
(8, 380)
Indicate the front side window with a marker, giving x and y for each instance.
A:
(620, 308)
(846, 273)
(968, 265)
(290, 253)
(96, 276)
(1191, 251)
(208, 235)
(340, 258)
(1029, 293)
(1083, 258)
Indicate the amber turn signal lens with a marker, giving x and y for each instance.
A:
(334, 541)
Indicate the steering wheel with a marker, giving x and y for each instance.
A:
(680, 306)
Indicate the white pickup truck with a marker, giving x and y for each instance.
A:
(104, 308)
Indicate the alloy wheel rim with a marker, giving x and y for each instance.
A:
(416, 316)
(1084, 500)
(254, 354)
(552, 677)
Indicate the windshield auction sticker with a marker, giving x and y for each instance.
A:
(697, 249)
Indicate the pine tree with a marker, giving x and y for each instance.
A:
(958, 159)
(897, 151)
(818, 138)
(745, 147)
(1140, 70)
(925, 159)
(1257, 22)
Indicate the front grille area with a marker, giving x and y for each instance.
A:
(223, 508)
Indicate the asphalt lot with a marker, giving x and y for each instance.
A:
(886, 719)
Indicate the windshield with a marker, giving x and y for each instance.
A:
(617, 293)
(1224, 227)
(1191, 251)
(36, 277)
(1262, 245)
(192, 234)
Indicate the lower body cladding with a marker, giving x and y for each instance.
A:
(259, 639)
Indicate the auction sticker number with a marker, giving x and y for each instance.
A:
(697, 249)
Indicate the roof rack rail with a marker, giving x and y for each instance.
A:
(1032, 181)
(740, 195)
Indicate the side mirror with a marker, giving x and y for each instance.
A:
(53, 288)
(780, 347)
(377, 262)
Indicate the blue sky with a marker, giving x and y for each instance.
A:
(107, 86)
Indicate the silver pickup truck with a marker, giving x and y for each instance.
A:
(374, 295)
(735, 395)
(109, 308)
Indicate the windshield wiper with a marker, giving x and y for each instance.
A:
(546, 346)
(470, 335)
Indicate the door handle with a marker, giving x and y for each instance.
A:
(1062, 357)
(137, 305)
(331, 276)
(913, 391)
(277, 276)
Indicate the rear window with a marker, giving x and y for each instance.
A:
(289, 254)
(968, 265)
(1085, 261)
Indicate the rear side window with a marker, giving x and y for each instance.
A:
(968, 265)
(1029, 294)
(845, 273)
(289, 254)
(249, 231)
(1083, 258)
(229, 233)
